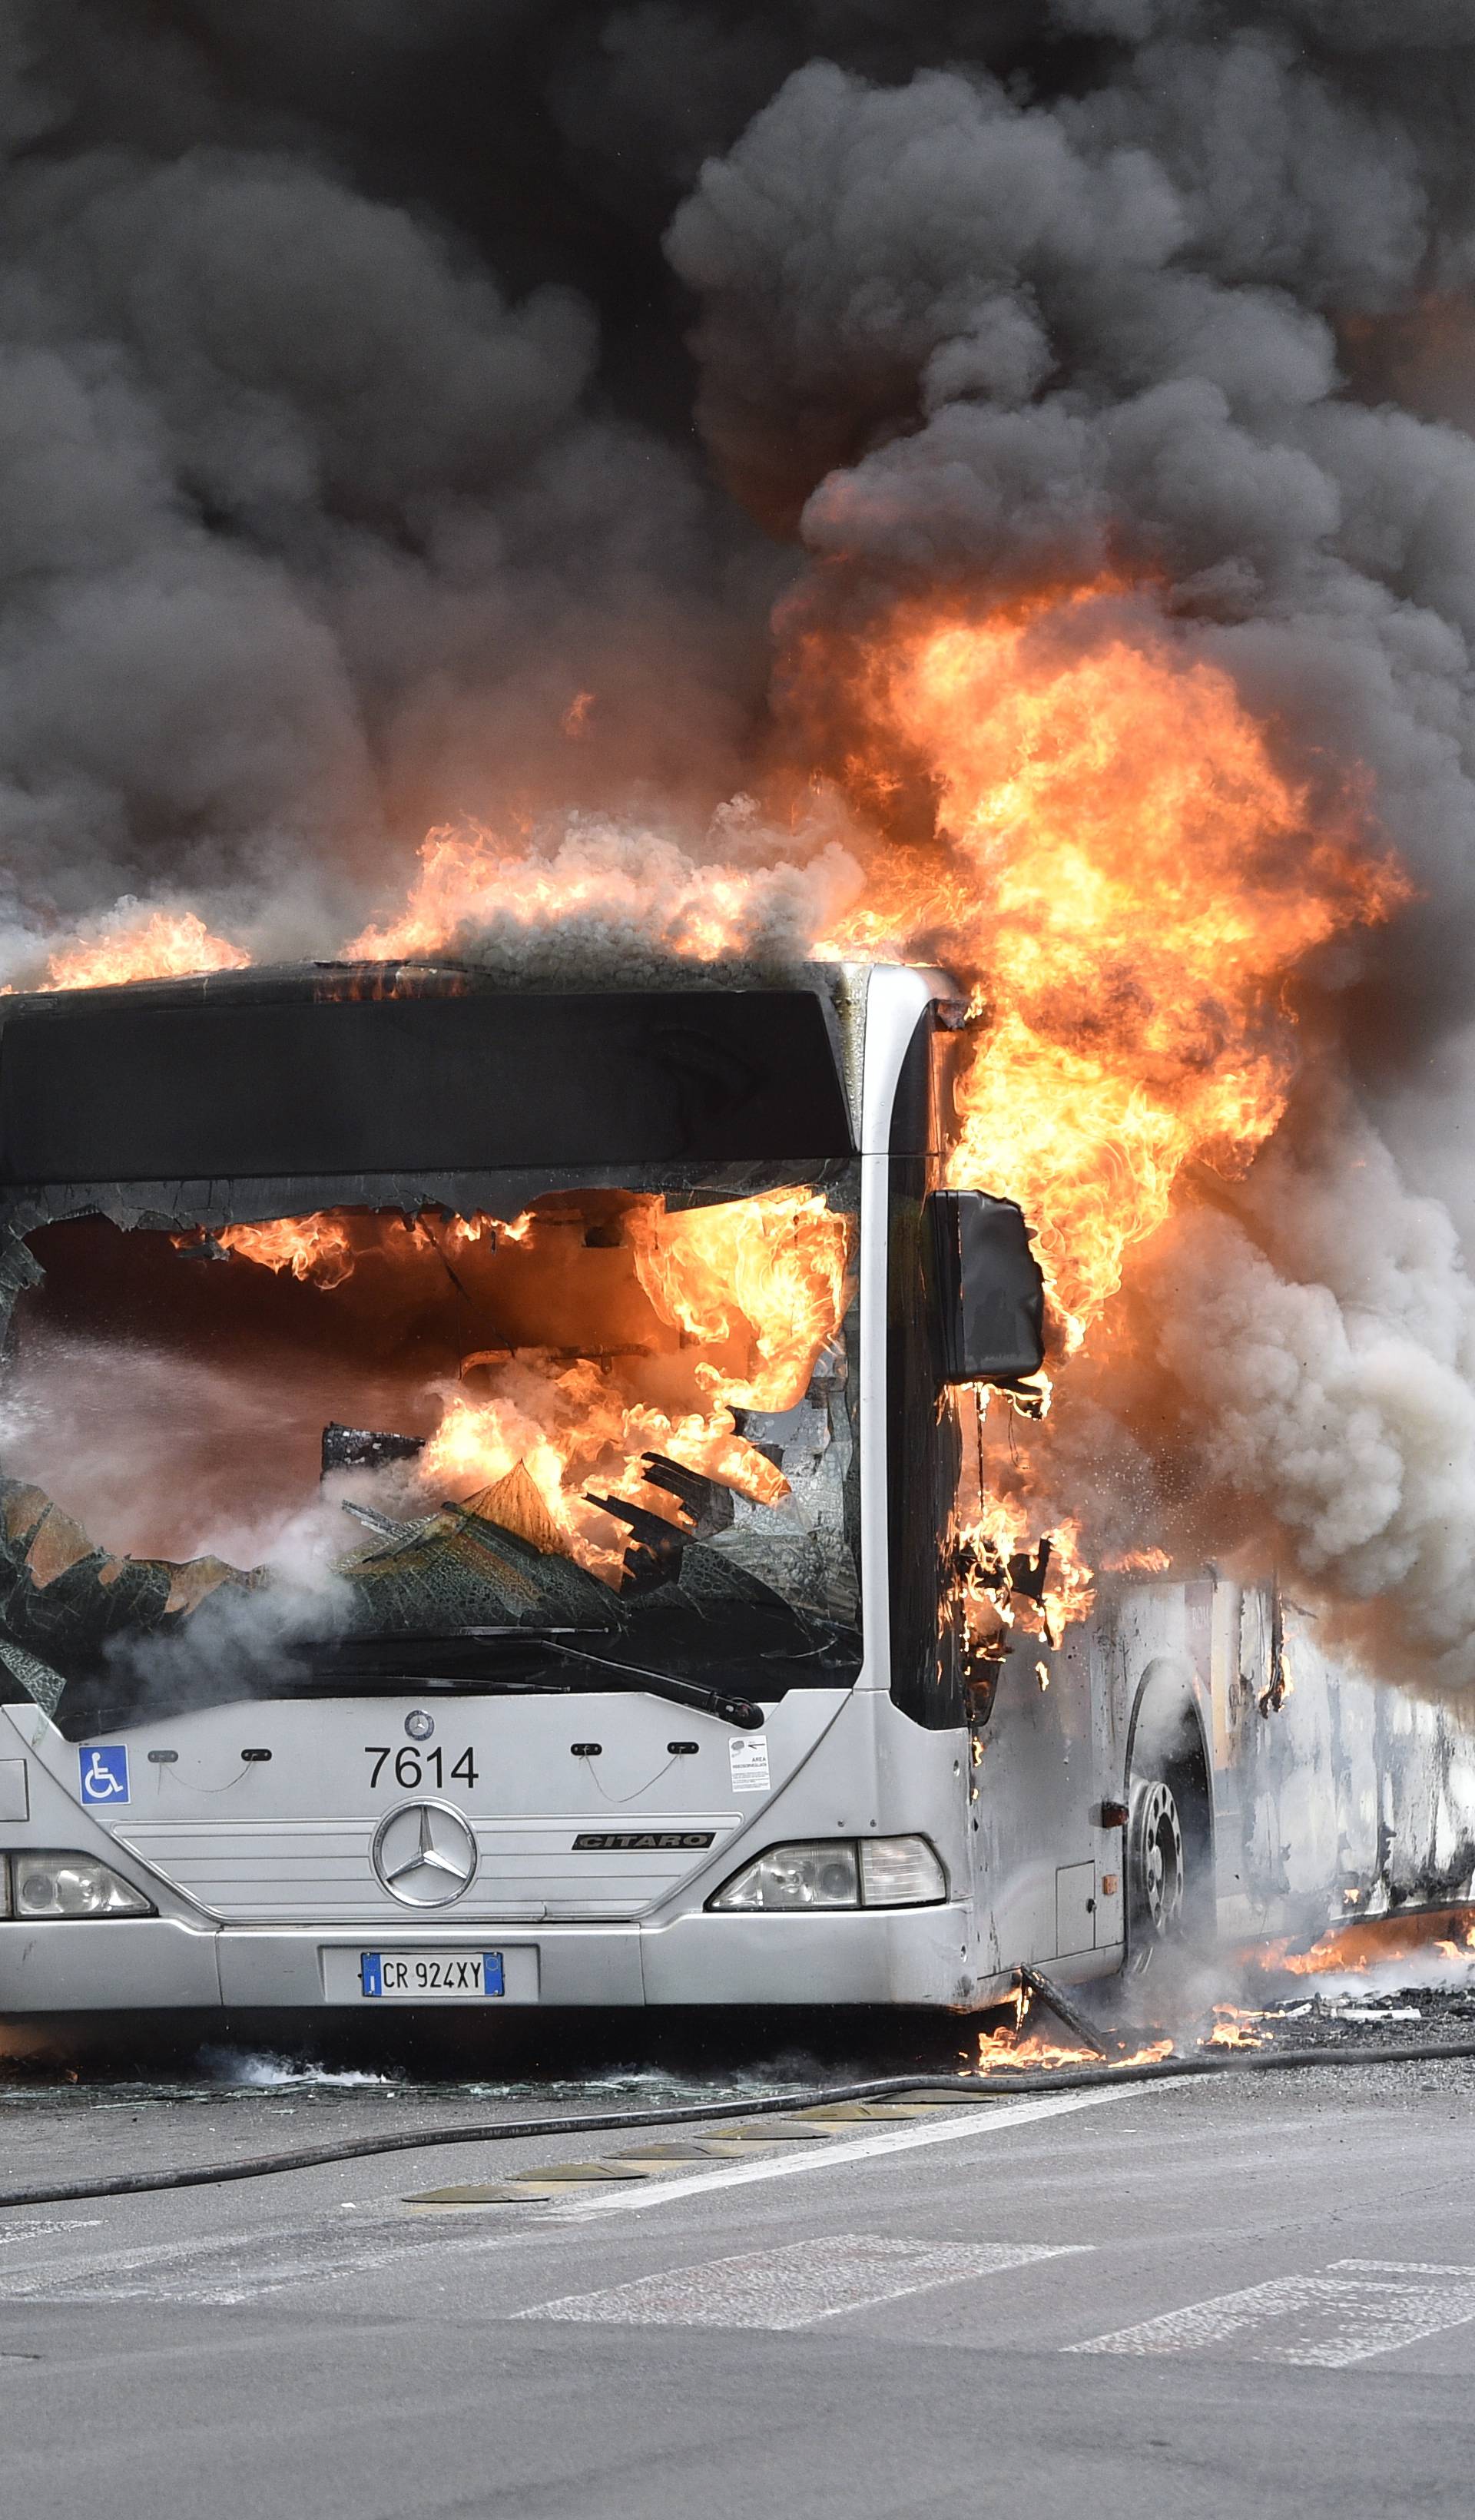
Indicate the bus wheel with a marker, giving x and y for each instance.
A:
(1157, 1870)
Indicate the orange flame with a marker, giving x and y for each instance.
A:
(758, 1288)
(760, 1284)
(1352, 1950)
(473, 879)
(1020, 2048)
(315, 1248)
(323, 1249)
(167, 945)
(986, 1541)
(1232, 2028)
(1028, 2053)
(1127, 884)
(567, 1428)
(771, 1269)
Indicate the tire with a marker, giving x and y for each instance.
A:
(1168, 1856)
(1157, 1872)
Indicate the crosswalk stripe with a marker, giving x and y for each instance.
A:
(1350, 2310)
(795, 2285)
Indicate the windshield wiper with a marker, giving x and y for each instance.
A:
(390, 1649)
(386, 1657)
(661, 1684)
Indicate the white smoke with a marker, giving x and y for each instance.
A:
(157, 1453)
(1344, 1422)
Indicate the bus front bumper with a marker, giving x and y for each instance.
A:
(905, 1956)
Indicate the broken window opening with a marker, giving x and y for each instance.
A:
(231, 1447)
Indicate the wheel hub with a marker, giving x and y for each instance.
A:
(1157, 1861)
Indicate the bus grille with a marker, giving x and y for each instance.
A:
(318, 1872)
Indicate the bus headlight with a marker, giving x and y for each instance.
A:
(900, 1872)
(837, 1872)
(52, 1884)
(824, 1874)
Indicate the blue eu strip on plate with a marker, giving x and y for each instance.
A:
(429, 1976)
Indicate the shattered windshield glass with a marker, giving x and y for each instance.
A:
(248, 1454)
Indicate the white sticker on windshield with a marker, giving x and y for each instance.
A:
(748, 1755)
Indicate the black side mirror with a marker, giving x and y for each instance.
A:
(989, 1294)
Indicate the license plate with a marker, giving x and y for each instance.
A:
(430, 1977)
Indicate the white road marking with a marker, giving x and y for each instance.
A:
(225, 2270)
(993, 2117)
(1354, 2308)
(32, 2231)
(793, 2287)
(206, 2273)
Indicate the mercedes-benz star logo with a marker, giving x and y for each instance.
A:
(425, 1854)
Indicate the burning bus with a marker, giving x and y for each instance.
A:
(493, 1511)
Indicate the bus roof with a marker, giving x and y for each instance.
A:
(358, 1069)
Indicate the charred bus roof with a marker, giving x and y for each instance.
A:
(333, 1070)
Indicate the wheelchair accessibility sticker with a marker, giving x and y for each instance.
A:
(104, 1775)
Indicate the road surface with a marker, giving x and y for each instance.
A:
(1211, 2299)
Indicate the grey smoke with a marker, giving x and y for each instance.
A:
(347, 434)
(311, 527)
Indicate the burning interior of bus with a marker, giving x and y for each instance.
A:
(520, 1422)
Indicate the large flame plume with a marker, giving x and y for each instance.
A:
(1127, 882)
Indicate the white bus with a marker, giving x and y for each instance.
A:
(479, 1525)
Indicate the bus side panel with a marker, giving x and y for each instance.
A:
(1350, 1796)
(1042, 1862)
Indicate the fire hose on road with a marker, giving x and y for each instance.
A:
(937, 2087)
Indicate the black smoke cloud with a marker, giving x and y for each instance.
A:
(379, 375)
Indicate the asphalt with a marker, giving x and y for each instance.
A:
(1196, 2299)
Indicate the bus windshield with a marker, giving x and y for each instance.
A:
(249, 1454)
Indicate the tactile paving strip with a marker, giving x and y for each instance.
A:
(739, 2143)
